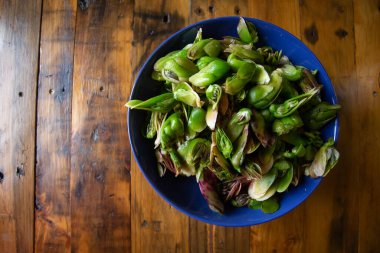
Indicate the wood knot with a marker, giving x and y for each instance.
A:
(83, 4)
(198, 11)
(311, 33)
(1, 177)
(99, 177)
(20, 172)
(211, 8)
(38, 205)
(144, 223)
(78, 189)
(156, 225)
(166, 18)
(237, 10)
(341, 33)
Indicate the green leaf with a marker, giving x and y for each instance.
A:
(210, 74)
(258, 188)
(161, 103)
(261, 76)
(261, 96)
(213, 48)
(183, 92)
(291, 72)
(254, 204)
(224, 143)
(285, 181)
(197, 120)
(238, 81)
(270, 205)
(292, 104)
(172, 129)
(325, 159)
(237, 122)
(287, 124)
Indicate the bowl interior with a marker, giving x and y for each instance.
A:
(183, 193)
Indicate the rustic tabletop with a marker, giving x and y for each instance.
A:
(68, 182)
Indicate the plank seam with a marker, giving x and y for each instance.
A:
(35, 128)
(71, 119)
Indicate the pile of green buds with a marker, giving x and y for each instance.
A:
(243, 120)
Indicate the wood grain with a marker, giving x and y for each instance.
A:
(61, 101)
(155, 224)
(100, 156)
(367, 41)
(285, 14)
(219, 239)
(52, 217)
(19, 36)
(332, 211)
(286, 233)
(201, 10)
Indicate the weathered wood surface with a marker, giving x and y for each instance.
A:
(68, 182)
(19, 50)
(155, 225)
(100, 156)
(52, 215)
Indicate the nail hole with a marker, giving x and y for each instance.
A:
(237, 10)
(51, 91)
(63, 89)
(101, 88)
(211, 8)
(1, 177)
(20, 94)
(83, 4)
(20, 171)
(198, 11)
(374, 94)
(166, 18)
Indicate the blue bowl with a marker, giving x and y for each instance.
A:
(182, 192)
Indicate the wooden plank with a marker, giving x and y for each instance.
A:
(219, 239)
(52, 217)
(367, 40)
(156, 226)
(326, 22)
(368, 189)
(19, 37)
(209, 9)
(100, 154)
(198, 236)
(331, 214)
(281, 235)
(285, 14)
(286, 233)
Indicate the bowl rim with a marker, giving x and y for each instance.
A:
(179, 208)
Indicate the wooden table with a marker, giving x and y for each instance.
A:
(68, 182)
